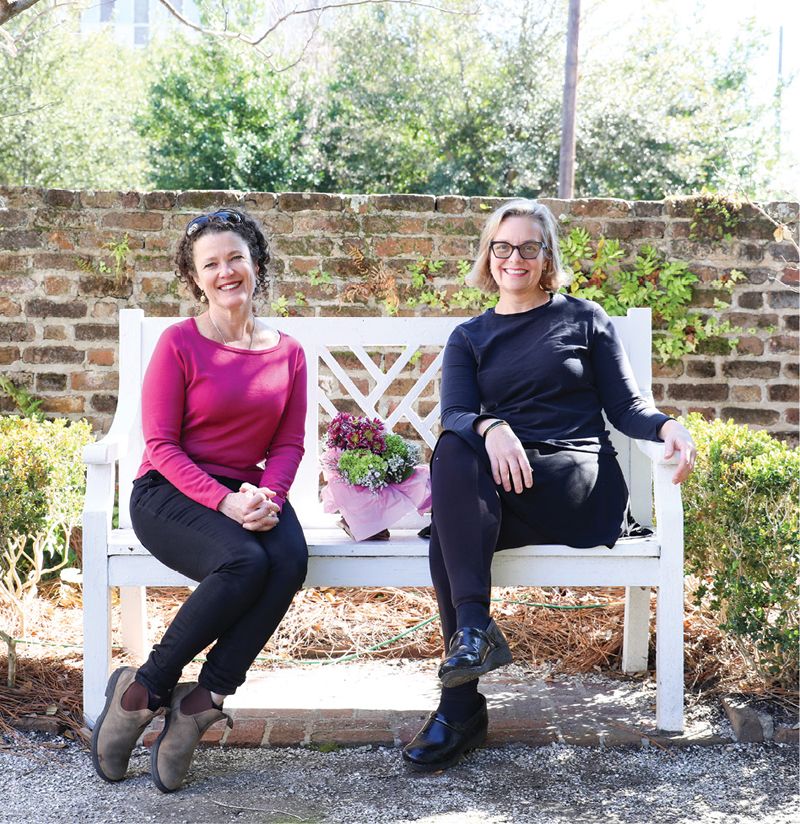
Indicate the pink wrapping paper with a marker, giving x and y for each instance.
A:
(367, 512)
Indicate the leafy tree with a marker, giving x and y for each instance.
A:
(66, 107)
(216, 120)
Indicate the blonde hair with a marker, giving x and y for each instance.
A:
(553, 275)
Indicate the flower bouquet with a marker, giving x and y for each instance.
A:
(373, 477)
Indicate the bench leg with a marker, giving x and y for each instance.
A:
(133, 601)
(636, 633)
(96, 634)
(669, 657)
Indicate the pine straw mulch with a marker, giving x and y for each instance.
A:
(330, 623)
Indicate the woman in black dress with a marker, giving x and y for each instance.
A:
(524, 456)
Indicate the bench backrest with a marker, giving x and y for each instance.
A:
(362, 366)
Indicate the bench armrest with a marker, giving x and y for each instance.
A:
(655, 451)
(107, 450)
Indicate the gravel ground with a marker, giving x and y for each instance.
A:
(734, 783)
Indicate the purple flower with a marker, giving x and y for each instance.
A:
(356, 432)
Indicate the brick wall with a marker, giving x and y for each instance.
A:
(60, 295)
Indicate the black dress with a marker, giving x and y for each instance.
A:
(550, 372)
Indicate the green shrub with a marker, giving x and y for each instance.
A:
(741, 507)
(42, 482)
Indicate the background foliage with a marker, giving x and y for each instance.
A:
(742, 537)
(391, 98)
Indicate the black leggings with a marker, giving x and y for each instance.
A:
(247, 582)
(577, 498)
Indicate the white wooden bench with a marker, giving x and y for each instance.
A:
(114, 558)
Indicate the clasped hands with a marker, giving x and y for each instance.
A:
(251, 507)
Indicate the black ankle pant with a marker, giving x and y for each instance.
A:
(578, 498)
(247, 582)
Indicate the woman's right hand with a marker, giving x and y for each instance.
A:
(510, 465)
(251, 508)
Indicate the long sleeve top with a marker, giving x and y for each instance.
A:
(211, 409)
(548, 372)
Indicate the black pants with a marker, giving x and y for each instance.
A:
(247, 582)
(577, 498)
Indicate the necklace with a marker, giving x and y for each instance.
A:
(222, 337)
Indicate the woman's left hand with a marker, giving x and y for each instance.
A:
(264, 516)
(677, 439)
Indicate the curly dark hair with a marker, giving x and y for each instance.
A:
(247, 228)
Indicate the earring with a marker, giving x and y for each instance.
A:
(203, 298)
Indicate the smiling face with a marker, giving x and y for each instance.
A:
(517, 277)
(224, 270)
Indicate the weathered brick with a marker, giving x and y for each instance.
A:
(746, 393)
(783, 252)
(667, 370)
(105, 310)
(161, 309)
(42, 308)
(390, 224)
(259, 201)
(784, 393)
(154, 263)
(54, 332)
(701, 368)
(402, 203)
(486, 205)
(279, 223)
(204, 200)
(12, 263)
(680, 229)
(755, 276)
(51, 382)
(751, 369)
(288, 732)
(92, 381)
(246, 732)
(305, 246)
(750, 345)
(784, 299)
(784, 343)
(749, 251)
(52, 354)
(62, 198)
(455, 225)
(105, 286)
(133, 221)
(629, 229)
(96, 331)
(59, 286)
(17, 285)
(750, 320)
(336, 223)
(69, 262)
(64, 404)
(681, 206)
(648, 208)
(107, 200)
(159, 200)
(101, 357)
(450, 204)
(9, 354)
(404, 246)
(457, 247)
(14, 240)
(17, 331)
(698, 392)
(759, 416)
(790, 276)
(9, 307)
(791, 322)
(750, 300)
(13, 218)
(104, 403)
(305, 201)
(600, 207)
(792, 415)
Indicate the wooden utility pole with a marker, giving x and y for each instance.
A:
(566, 163)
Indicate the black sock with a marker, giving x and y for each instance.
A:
(460, 703)
(472, 614)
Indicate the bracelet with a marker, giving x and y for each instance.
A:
(492, 425)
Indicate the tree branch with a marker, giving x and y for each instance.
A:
(11, 8)
(256, 40)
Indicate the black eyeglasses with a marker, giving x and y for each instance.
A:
(223, 216)
(527, 251)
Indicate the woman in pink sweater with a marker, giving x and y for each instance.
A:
(223, 412)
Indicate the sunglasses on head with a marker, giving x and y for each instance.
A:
(222, 216)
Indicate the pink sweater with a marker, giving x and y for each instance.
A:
(208, 408)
